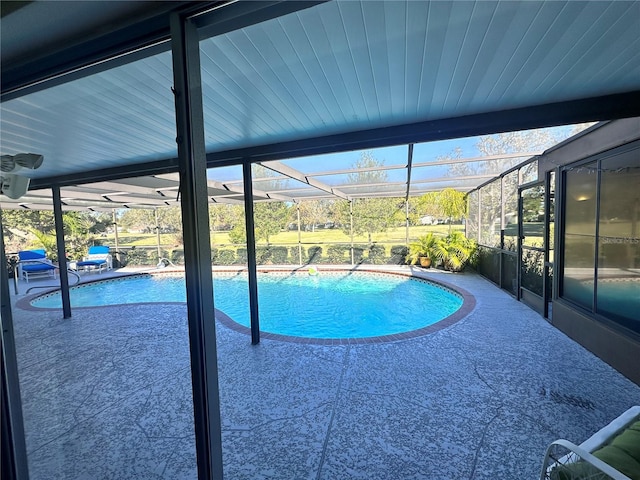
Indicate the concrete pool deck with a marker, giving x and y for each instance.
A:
(107, 394)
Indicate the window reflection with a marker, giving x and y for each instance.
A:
(580, 232)
(618, 282)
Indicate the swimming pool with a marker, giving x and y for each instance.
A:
(332, 305)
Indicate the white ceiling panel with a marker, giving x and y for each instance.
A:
(118, 117)
(345, 66)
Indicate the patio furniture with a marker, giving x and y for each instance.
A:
(98, 258)
(613, 452)
(34, 263)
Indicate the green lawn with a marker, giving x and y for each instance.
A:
(392, 236)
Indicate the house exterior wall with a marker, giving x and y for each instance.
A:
(580, 313)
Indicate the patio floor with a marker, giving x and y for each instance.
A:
(107, 394)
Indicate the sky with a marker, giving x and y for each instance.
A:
(396, 155)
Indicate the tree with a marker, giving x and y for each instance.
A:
(102, 221)
(313, 212)
(269, 218)
(536, 140)
(78, 235)
(238, 234)
(267, 180)
(144, 219)
(137, 219)
(370, 215)
(225, 216)
(452, 203)
(425, 204)
(18, 225)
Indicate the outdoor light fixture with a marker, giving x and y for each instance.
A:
(13, 185)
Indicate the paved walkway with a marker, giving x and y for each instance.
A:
(107, 395)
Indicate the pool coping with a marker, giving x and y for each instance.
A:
(468, 305)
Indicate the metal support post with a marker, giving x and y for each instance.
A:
(406, 197)
(406, 214)
(299, 237)
(62, 258)
(197, 248)
(251, 254)
(115, 229)
(13, 445)
(479, 233)
(351, 230)
(155, 211)
(558, 235)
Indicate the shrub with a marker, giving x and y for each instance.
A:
(177, 256)
(336, 253)
(455, 250)
(294, 256)
(141, 257)
(314, 254)
(263, 255)
(241, 256)
(225, 257)
(358, 253)
(398, 255)
(120, 259)
(279, 255)
(376, 254)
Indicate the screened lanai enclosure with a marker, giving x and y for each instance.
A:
(363, 206)
(260, 134)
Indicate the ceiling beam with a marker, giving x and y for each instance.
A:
(608, 107)
(416, 182)
(226, 18)
(409, 164)
(454, 179)
(485, 158)
(290, 172)
(600, 108)
(108, 174)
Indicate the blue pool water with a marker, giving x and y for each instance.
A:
(329, 305)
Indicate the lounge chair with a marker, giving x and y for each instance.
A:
(98, 258)
(613, 452)
(34, 263)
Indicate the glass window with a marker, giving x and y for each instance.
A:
(552, 215)
(580, 232)
(533, 216)
(532, 270)
(618, 287)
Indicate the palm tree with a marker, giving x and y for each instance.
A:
(46, 241)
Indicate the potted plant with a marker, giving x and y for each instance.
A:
(424, 250)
